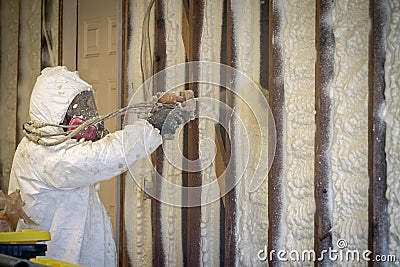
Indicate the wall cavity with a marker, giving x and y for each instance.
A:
(171, 217)
(210, 48)
(298, 42)
(349, 152)
(50, 32)
(137, 211)
(392, 119)
(251, 208)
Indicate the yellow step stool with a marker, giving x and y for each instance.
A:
(53, 263)
(30, 238)
(24, 237)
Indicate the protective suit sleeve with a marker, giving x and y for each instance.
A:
(87, 163)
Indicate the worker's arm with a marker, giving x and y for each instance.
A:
(91, 162)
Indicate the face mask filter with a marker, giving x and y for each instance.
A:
(89, 133)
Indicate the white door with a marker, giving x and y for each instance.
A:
(97, 64)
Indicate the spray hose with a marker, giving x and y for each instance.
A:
(32, 130)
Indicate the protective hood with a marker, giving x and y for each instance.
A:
(53, 92)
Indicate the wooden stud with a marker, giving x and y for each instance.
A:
(123, 46)
(277, 104)
(230, 198)
(220, 159)
(185, 27)
(60, 32)
(378, 235)
(323, 120)
(158, 156)
(196, 8)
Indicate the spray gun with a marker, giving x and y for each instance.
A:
(172, 97)
(165, 100)
(170, 111)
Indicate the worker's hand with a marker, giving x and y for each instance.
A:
(168, 117)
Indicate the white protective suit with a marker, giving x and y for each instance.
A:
(57, 183)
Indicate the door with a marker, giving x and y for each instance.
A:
(97, 63)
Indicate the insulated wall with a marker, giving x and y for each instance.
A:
(137, 224)
(146, 223)
(299, 56)
(324, 83)
(349, 151)
(251, 207)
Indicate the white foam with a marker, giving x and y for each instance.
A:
(210, 48)
(171, 217)
(349, 152)
(137, 211)
(252, 208)
(298, 43)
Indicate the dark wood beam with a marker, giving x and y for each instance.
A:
(277, 104)
(60, 32)
(323, 120)
(123, 259)
(230, 198)
(193, 246)
(221, 160)
(185, 26)
(158, 156)
(378, 235)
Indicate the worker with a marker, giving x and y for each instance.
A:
(58, 183)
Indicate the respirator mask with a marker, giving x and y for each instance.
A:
(81, 109)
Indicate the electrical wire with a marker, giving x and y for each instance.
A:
(46, 37)
(146, 47)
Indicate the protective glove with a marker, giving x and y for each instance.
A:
(168, 117)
